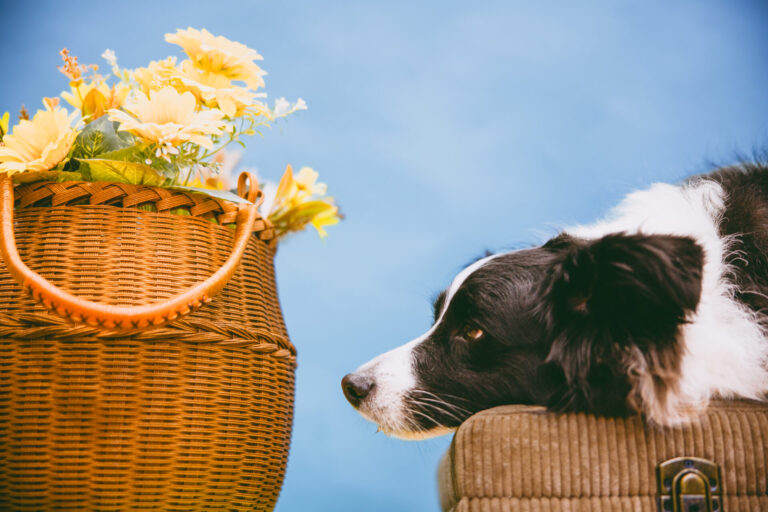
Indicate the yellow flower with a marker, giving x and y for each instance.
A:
(81, 90)
(93, 99)
(318, 213)
(306, 182)
(158, 74)
(218, 54)
(39, 144)
(4, 124)
(298, 201)
(117, 95)
(205, 177)
(169, 118)
(51, 103)
(328, 217)
(292, 191)
(215, 90)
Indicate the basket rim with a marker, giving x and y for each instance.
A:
(143, 198)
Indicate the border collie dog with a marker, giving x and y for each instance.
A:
(655, 310)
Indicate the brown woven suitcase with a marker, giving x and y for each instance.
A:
(99, 411)
(518, 458)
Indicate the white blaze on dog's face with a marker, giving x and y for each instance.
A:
(389, 390)
(389, 377)
(558, 325)
(393, 378)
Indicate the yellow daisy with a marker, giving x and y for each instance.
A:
(158, 74)
(216, 90)
(169, 118)
(218, 54)
(39, 144)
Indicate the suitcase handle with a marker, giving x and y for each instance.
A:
(108, 316)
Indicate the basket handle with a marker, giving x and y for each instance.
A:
(95, 314)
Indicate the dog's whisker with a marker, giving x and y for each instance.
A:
(435, 396)
(435, 408)
(428, 417)
(438, 400)
(432, 408)
(442, 407)
(408, 424)
(441, 398)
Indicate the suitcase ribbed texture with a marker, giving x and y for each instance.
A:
(519, 458)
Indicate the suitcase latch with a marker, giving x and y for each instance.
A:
(689, 484)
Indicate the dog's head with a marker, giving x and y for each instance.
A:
(574, 325)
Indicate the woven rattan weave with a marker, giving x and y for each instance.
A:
(193, 415)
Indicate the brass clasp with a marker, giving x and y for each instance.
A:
(689, 484)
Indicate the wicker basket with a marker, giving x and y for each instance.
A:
(104, 405)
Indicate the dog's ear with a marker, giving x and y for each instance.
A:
(610, 301)
(625, 282)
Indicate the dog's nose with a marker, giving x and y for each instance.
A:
(356, 388)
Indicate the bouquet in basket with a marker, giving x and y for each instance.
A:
(164, 125)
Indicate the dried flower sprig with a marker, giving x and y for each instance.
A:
(71, 69)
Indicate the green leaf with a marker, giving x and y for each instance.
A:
(68, 165)
(167, 169)
(139, 153)
(98, 169)
(35, 176)
(100, 136)
(226, 195)
(129, 154)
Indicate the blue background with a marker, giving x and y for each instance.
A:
(443, 128)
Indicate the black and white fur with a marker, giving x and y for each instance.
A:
(655, 310)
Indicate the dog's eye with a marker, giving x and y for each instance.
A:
(471, 333)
